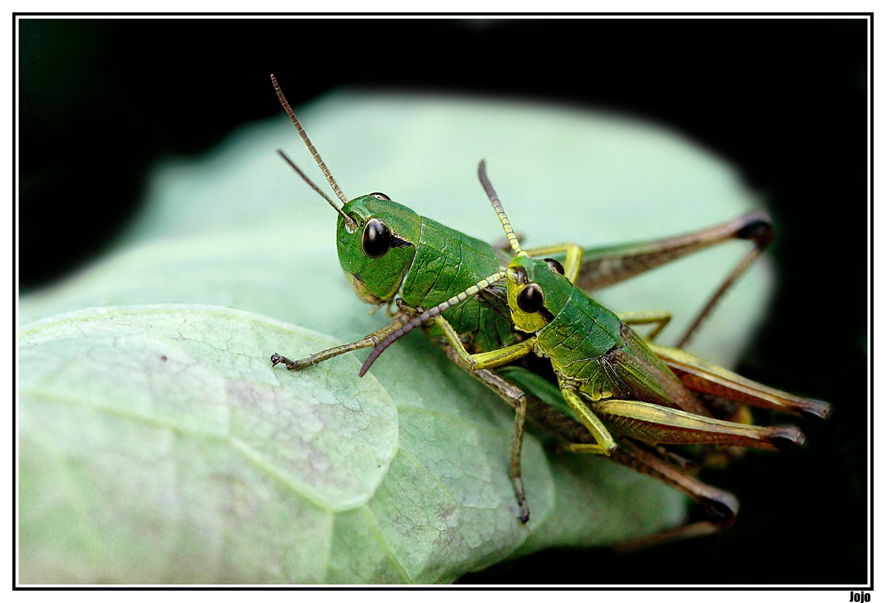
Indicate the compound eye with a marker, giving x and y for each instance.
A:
(531, 299)
(380, 196)
(555, 266)
(376, 239)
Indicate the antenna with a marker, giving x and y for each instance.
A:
(490, 192)
(291, 163)
(428, 315)
(314, 153)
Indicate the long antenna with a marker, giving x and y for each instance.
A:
(490, 192)
(315, 187)
(428, 315)
(314, 153)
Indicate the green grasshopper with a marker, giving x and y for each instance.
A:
(610, 378)
(392, 257)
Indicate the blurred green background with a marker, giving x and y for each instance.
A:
(101, 101)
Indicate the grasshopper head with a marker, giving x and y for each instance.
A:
(377, 254)
(537, 291)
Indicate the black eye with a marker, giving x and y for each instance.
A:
(555, 265)
(531, 299)
(376, 238)
(380, 196)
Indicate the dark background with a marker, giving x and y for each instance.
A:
(784, 100)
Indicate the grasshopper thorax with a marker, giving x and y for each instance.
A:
(537, 291)
(376, 254)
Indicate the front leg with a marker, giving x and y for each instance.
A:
(369, 341)
(484, 360)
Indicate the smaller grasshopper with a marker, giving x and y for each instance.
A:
(612, 380)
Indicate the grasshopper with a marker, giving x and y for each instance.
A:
(612, 380)
(392, 257)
